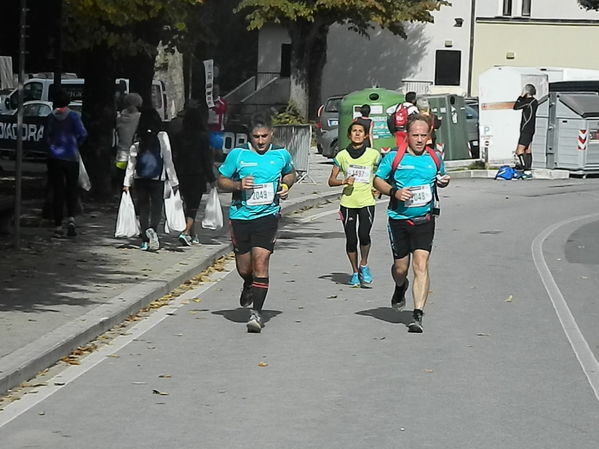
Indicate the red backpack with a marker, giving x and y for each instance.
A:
(401, 150)
(401, 117)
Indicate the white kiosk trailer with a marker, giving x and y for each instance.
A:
(499, 87)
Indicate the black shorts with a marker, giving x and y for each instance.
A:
(405, 237)
(525, 139)
(260, 232)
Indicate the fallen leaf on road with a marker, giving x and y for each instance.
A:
(161, 393)
(428, 371)
(114, 356)
(262, 364)
(197, 299)
(508, 299)
(331, 297)
(483, 334)
(165, 376)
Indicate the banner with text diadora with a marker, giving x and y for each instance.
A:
(32, 132)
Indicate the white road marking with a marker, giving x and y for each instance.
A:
(71, 373)
(581, 348)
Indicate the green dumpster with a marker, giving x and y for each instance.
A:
(382, 103)
(452, 136)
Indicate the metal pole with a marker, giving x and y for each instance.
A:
(471, 53)
(19, 156)
(58, 46)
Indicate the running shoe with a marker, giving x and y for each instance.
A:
(144, 246)
(354, 282)
(71, 229)
(255, 323)
(415, 325)
(154, 245)
(195, 240)
(185, 239)
(398, 301)
(245, 300)
(526, 175)
(365, 276)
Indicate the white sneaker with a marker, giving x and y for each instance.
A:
(154, 245)
(255, 324)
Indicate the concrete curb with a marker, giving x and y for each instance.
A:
(25, 363)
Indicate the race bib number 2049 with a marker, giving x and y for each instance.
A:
(261, 194)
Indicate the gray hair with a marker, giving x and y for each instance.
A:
(132, 99)
(423, 105)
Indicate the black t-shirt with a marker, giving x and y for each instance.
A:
(529, 106)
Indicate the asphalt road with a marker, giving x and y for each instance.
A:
(507, 359)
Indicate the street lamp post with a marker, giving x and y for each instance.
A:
(19, 155)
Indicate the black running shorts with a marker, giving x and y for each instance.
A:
(525, 139)
(260, 232)
(405, 238)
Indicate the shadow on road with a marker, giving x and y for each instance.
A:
(388, 314)
(241, 315)
(337, 278)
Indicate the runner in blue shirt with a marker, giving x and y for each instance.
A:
(411, 216)
(259, 175)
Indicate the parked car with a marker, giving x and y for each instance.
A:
(326, 126)
(472, 126)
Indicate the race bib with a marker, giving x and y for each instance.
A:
(261, 194)
(421, 196)
(360, 173)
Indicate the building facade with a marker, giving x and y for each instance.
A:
(447, 56)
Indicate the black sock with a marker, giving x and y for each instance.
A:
(418, 312)
(259, 291)
(247, 281)
(527, 161)
(522, 160)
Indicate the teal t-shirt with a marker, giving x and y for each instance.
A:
(417, 173)
(267, 170)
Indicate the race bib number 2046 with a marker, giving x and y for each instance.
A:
(421, 196)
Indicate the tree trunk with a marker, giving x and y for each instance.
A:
(308, 51)
(317, 63)
(99, 119)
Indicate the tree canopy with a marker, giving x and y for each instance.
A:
(308, 23)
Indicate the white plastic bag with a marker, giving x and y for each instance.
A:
(173, 209)
(84, 181)
(213, 214)
(126, 221)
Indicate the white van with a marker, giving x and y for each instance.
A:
(41, 89)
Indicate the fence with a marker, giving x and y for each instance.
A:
(296, 139)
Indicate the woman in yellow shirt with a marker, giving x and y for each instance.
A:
(358, 164)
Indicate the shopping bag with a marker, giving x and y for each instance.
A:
(213, 214)
(173, 209)
(126, 221)
(84, 181)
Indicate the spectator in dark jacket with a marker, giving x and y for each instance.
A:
(65, 134)
(194, 165)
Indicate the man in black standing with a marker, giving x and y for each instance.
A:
(528, 104)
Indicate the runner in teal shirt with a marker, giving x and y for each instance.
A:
(266, 169)
(258, 175)
(416, 173)
(411, 223)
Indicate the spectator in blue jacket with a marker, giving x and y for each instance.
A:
(65, 133)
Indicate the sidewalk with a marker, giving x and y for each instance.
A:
(58, 294)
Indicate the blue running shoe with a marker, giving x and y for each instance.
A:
(355, 280)
(365, 276)
(144, 246)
